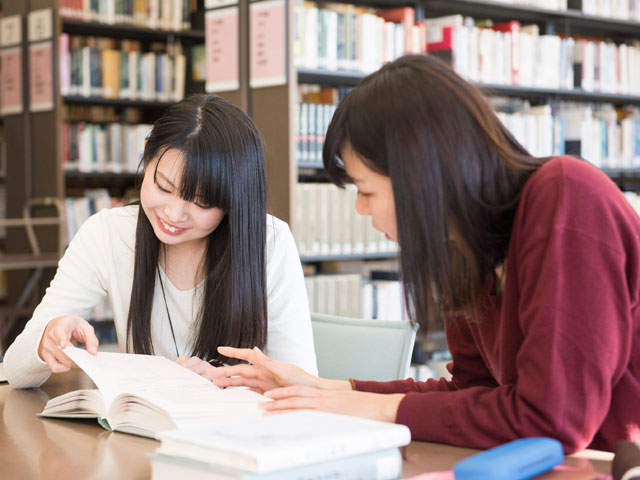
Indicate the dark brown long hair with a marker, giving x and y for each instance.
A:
(223, 168)
(456, 173)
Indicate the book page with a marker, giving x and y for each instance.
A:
(182, 393)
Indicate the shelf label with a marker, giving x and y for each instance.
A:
(268, 43)
(222, 51)
(11, 81)
(40, 25)
(218, 3)
(41, 77)
(10, 31)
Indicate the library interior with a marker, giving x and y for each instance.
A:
(505, 135)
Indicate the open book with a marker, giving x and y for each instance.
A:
(145, 395)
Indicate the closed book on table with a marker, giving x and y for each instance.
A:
(379, 465)
(277, 442)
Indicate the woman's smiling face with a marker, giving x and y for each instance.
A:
(174, 220)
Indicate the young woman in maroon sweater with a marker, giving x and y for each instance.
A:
(533, 262)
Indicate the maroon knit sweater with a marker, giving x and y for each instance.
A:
(558, 354)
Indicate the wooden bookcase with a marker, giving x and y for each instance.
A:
(273, 108)
(33, 139)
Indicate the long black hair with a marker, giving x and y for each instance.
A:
(456, 173)
(224, 168)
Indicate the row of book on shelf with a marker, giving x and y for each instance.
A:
(509, 53)
(619, 9)
(350, 37)
(103, 147)
(352, 295)
(603, 134)
(162, 14)
(347, 37)
(111, 68)
(326, 223)
(606, 136)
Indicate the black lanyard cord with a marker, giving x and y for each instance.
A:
(166, 306)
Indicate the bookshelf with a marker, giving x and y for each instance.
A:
(565, 22)
(34, 137)
(274, 108)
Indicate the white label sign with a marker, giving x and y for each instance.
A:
(40, 24)
(10, 31)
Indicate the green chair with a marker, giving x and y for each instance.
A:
(362, 349)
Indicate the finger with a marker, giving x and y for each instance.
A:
(200, 367)
(195, 364)
(235, 382)
(85, 332)
(53, 363)
(182, 359)
(62, 358)
(242, 370)
(292, 391)
(290, 403)
(239, 353)
(268, 413)
(61, 335)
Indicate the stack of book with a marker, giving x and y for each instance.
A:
(297, 445)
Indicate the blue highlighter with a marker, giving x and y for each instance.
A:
(516, 460)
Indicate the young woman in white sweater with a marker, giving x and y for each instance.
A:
(197, 264)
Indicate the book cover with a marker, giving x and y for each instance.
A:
(275, 442)
(383, 464)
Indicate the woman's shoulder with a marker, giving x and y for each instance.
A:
(275, 226)
(566, 171)
(279, 238)
(116, 222)
(569, 193)
(117, 215)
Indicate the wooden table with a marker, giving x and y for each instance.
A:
(32, 447)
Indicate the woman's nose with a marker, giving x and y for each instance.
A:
(176, 210)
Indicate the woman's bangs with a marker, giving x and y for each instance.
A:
(205, 179)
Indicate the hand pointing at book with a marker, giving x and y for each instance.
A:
(58, 334)
(291, 388)
(264, 373)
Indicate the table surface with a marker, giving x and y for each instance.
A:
(33, 447)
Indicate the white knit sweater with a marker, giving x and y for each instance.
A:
(99, 262)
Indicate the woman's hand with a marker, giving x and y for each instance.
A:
(375, 406)
(58, 334)
(195, 364)
(265, 374)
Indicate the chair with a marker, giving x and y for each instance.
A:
(36, 260)
(362, 349)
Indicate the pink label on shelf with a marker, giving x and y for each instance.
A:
(222, 50)
(11, 81)
(41, 77)
(268, 43)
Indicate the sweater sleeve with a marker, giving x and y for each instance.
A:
(78, 285)
(290, 338)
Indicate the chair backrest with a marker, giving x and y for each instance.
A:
(362, 349)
